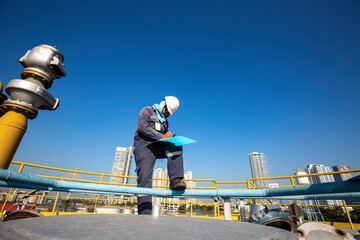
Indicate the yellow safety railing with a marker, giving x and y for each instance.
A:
(248, 184)
(251, 185)
(101, 180)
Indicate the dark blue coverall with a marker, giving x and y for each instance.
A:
(146, 152)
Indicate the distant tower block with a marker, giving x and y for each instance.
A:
(321, 168)
(342, 176)
(188, 175)
(122, 164)
(259, 168)
(171, 204)
(301, 180)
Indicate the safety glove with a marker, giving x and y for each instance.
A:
(167, 135)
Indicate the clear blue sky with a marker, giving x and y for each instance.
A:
(278, 77)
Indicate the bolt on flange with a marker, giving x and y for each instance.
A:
(21, 107)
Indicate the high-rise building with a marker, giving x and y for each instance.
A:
(160, 173)
(171, 204)
(320, 168)
(188, 175)
(342, 176)
(301, 180)
(122, 164)
(259, 168)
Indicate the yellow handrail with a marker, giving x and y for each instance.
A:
(215, 185)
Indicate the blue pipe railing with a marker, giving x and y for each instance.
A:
(336, 190)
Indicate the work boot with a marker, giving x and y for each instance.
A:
(177, 184)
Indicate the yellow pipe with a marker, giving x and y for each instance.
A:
(13, 126)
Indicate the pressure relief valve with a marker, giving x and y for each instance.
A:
(43, 64)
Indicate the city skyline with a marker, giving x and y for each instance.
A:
(321, 168)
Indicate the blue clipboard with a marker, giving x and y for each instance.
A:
(178, 140)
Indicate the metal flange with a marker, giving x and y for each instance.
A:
(30, 91)
(21, 107)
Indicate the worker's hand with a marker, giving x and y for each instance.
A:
(167, 135)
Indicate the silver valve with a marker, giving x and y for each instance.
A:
(43, 64)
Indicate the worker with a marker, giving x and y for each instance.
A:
(153, 126)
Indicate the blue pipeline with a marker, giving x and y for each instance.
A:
(37, 187)
(334, 196)
(36, 182)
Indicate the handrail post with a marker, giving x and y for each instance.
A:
(97, 196)
(218, 202)
(162, 198)
(293, 184)
(214, 205)
(57, 197)
(7, 197)
(21, 167)
(191, 208)
(348, 215)
(292, 181)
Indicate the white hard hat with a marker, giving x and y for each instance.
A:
(172, 104)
